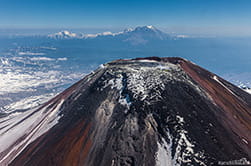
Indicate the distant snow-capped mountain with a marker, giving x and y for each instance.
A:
(147, 31)
(64, 35)
(138, 35)
(141, 35)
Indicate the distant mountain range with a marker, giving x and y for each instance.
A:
(138, 35)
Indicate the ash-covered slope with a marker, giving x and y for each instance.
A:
(151, 111)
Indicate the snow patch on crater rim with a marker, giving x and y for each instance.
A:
(144, 76)
(141, 79)
(136, 83)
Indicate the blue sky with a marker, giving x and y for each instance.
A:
(181, 15)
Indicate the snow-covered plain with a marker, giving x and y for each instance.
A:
(29, 79)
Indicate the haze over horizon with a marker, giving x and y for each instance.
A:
(224, 17)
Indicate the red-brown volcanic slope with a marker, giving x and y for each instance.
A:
(72, 142)
(236, 111)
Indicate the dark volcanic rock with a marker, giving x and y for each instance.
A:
(148, 111)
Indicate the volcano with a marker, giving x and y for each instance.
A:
(145, 111)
